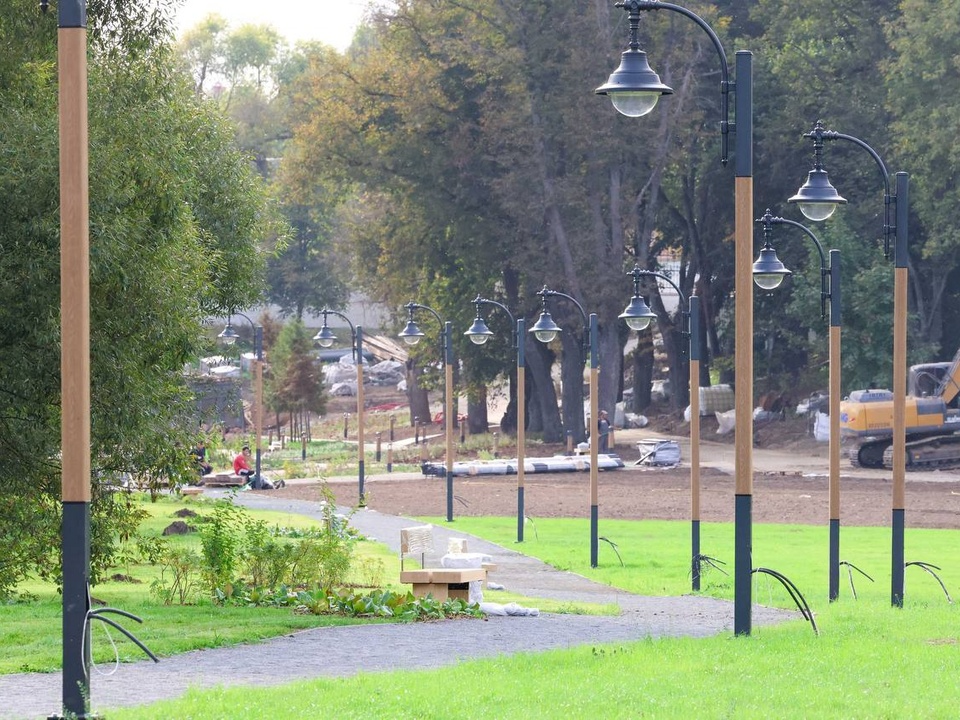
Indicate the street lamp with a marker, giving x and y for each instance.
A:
(229, 337)
(325, 338)
(638, 81)
(411, 335)
(639, 316)
(829, 289)
(819, 205)
(74, 353)
(545, 330)
(479, 333)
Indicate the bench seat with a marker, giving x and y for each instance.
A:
(443, 583)
(224, 479)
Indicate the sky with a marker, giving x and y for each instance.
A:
(330, 21)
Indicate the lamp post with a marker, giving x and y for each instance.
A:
(229, 337)
(545, 330)
(635, 87)
(411, 335)
(638, 316)
(769, 274)
(479, 333)
(818, 199)
(74, 352)
(325, 338)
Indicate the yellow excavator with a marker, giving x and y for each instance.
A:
(932, 420)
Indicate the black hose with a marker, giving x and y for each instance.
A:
(795, 594)
(850, 575)
(96, 615)
(927, 566)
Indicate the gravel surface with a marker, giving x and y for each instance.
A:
(345, 651)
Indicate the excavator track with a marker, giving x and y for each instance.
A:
(870, 454)
(931, 453)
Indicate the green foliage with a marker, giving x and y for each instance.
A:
(175, 216)
(295, 381)
(335, 546)
(179, 582)
(222, 541)
(243, 555)
(385, 604)
(266, 559)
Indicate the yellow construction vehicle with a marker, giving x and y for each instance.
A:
(932, 419)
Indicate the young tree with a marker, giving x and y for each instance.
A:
(295, 384)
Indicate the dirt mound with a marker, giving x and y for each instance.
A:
(178, 527)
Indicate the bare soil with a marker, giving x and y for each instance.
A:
(664, 494)
(790, 484)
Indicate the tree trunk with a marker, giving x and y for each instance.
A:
(544, 415)
(642, 372)
(478, 422)
(571, 386)
(417, 397)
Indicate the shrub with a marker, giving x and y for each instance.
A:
(220, 538)
(178, 582)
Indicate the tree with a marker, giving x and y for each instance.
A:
(175, 215)
(295, 384)
(923, 81)
(202, 51)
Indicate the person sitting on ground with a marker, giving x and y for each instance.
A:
(241, 467)
(199, 454)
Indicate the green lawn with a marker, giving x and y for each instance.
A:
(655, 556)
(870, 660)
(31, 637)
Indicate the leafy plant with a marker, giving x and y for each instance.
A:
(371, 572)
(221, 542)
(178, 582)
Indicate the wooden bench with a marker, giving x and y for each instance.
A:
(440, 582)
(224, 479)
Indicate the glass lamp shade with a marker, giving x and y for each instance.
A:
(634, 87)
(479, 333)
(545, 329)
(411, 334)
(638, 314)
(817, 198)
(634, 104)
(325, 337)
(228, 336)
(768, 271)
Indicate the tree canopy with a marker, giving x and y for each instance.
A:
(176, 218)
(480, 162)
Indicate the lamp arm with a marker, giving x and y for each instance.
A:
(545, 293)
(685, 328)
(833, 135)
(824, 270)
(446, 351)
(725, 83)
(353, 328)
(257, 334)
(551, 293)
(486, 301)
(819, 134)
(417, 306)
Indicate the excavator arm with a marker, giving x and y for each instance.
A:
(950, 385)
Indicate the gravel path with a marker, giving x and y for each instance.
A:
(331, 652)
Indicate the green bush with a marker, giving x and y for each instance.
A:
(221, 541)
(178, 582)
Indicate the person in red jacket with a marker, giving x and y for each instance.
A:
(241, 467)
